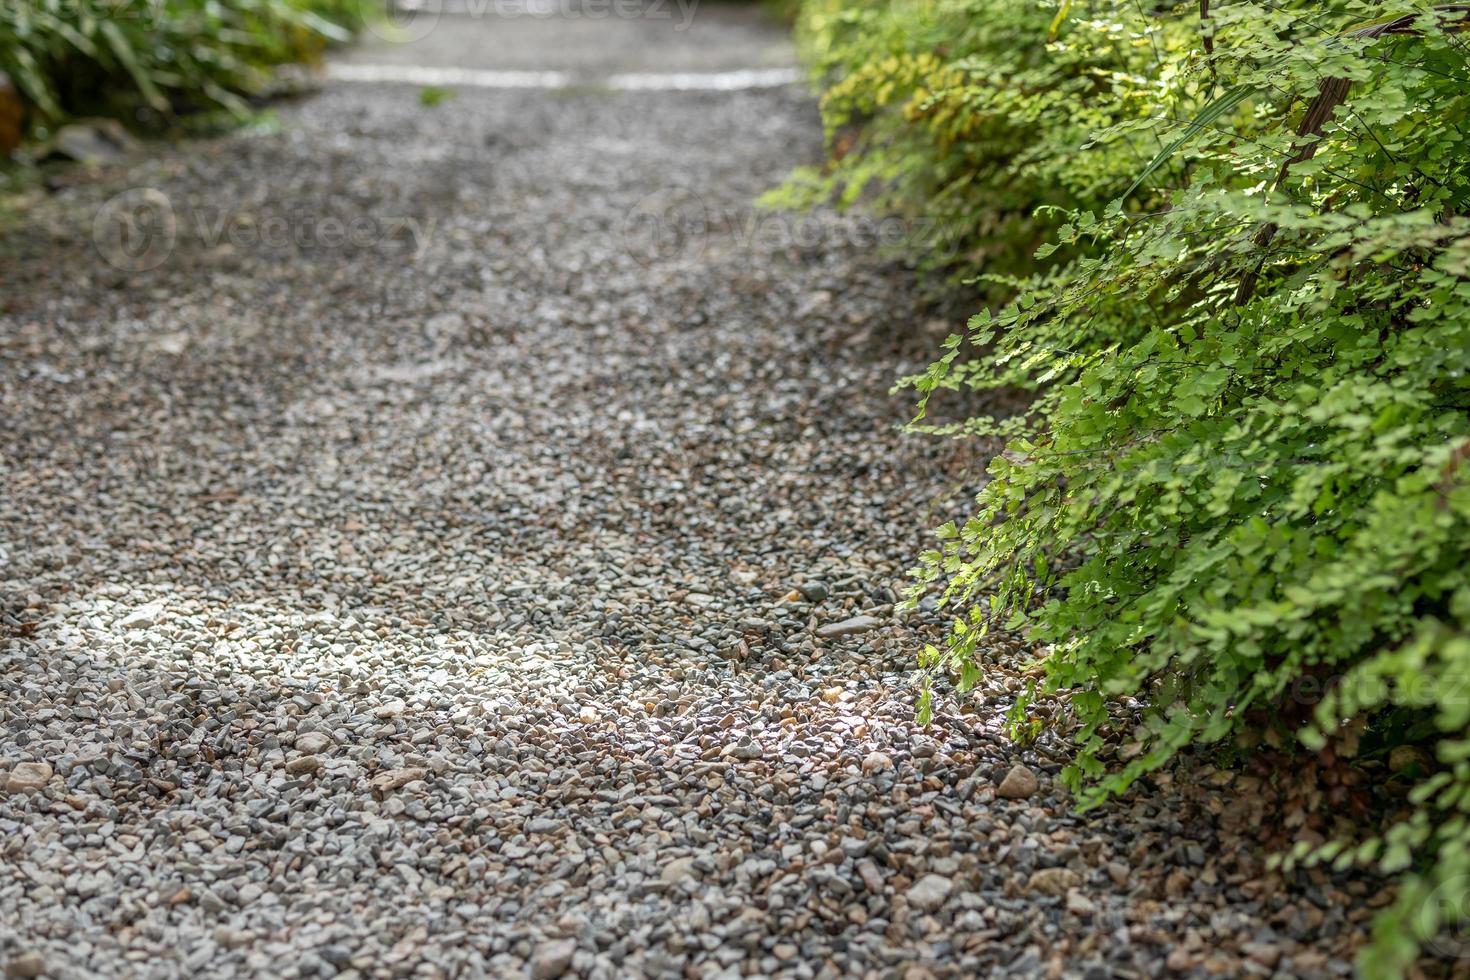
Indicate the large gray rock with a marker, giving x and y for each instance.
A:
(849, 627)
(929, 892)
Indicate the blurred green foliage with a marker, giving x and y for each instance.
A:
(157, 57)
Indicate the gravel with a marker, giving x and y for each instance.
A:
(520, 598)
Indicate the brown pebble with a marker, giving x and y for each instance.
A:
(877, 761)
(1053, 881)
(1019, 783)
(26, 965)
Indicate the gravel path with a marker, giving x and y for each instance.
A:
(509, 588)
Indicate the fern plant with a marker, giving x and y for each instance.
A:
(969, 118)
(1247, 464)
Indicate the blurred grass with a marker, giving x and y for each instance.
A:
(147, 62)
